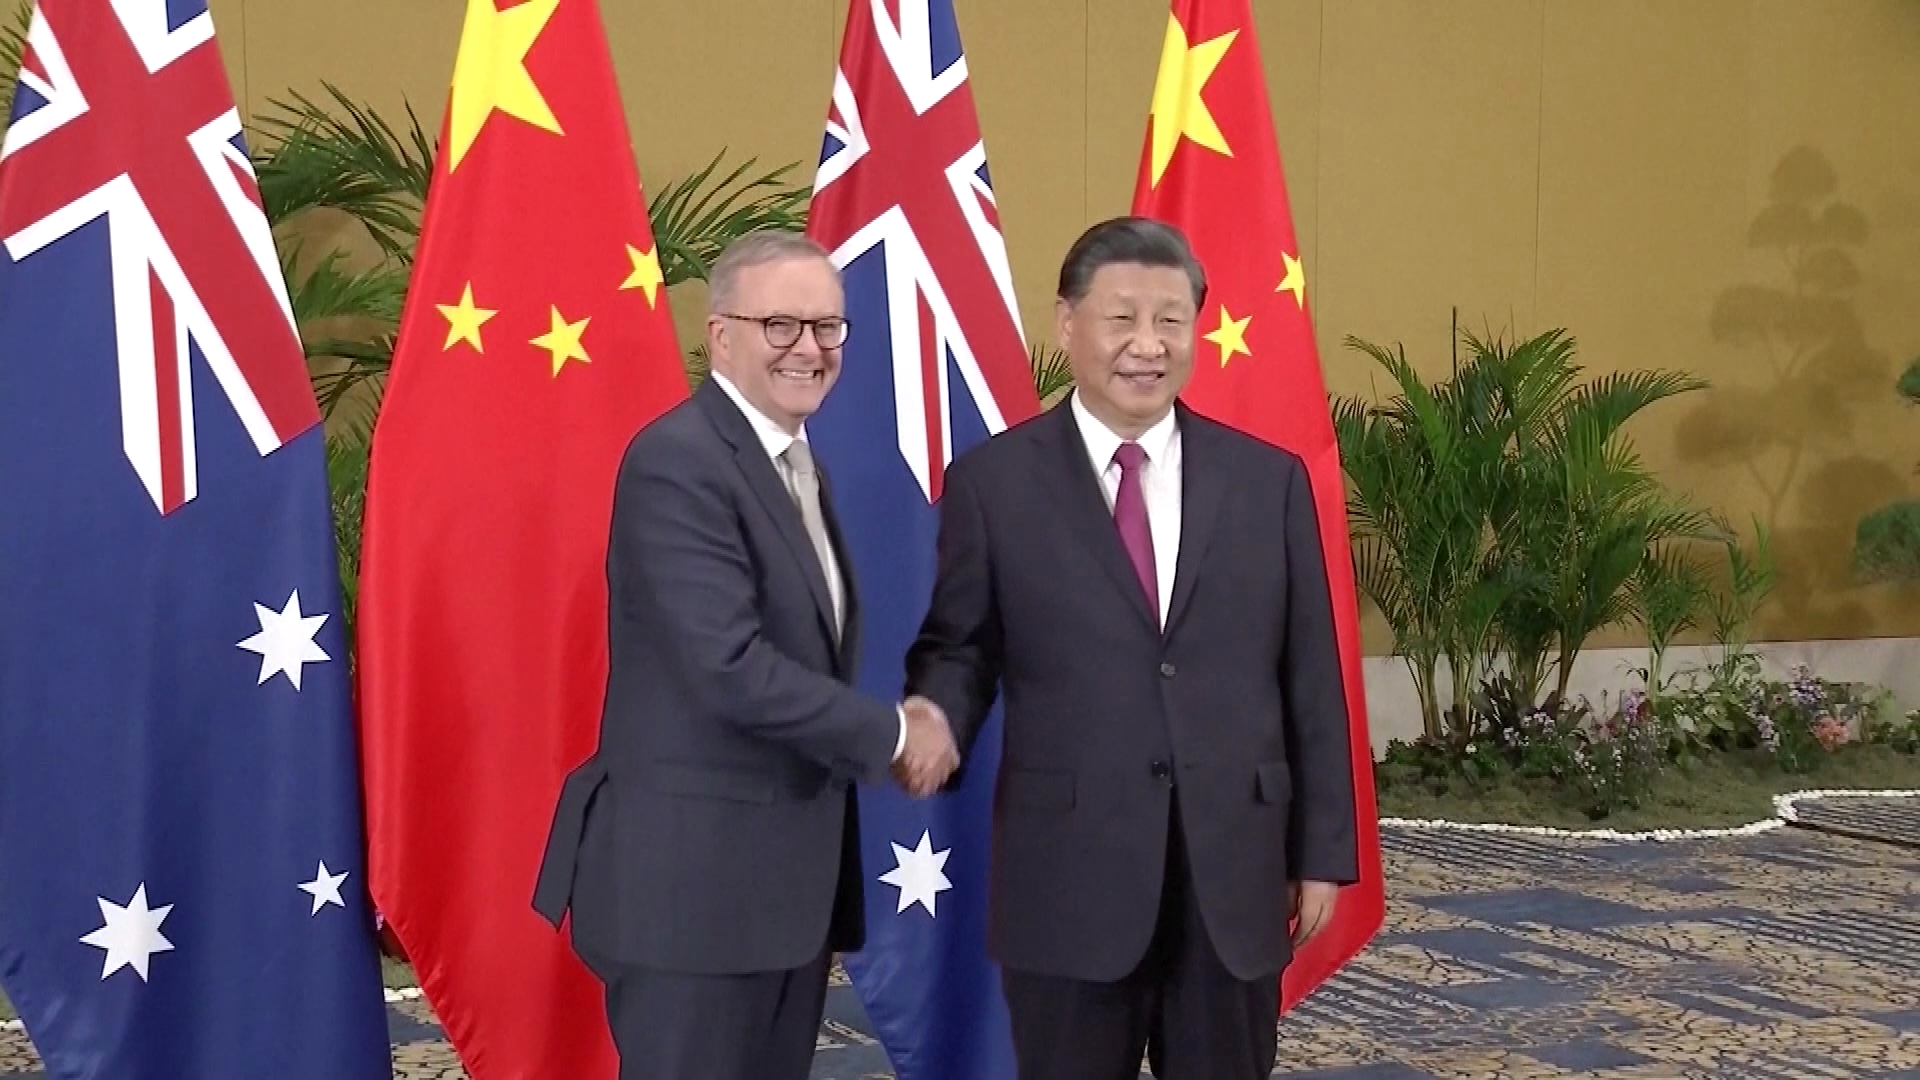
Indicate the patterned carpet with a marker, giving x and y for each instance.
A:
(1794, 953)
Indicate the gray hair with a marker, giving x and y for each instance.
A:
(1128, 240)
(754, 249)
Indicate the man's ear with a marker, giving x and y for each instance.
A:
(1062, 322)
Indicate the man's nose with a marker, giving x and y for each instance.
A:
(1146, 344)
(807, 348)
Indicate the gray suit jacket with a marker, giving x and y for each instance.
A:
(715, 829)
(1238, 703)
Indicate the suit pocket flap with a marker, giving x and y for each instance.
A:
(1273, 783)
(553, 889)
(709, 781)
(1038, 789)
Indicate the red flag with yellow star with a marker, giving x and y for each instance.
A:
(1211, 167)
(535, 342)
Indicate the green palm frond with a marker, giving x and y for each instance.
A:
(13, 46)
(1503, 508)
(1052, 371)
(695, 218)
(696, 365)
(1668, 594)
(328, 291)
(347, 457)
(311, 157)
(359, 367)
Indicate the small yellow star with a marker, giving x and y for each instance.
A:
(490, 72)
(1178, 109)
(646, 272)
(464, 321)
(1295, 281)
(563, 341)
(1231, 337)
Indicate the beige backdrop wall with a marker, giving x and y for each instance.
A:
(1617, 168)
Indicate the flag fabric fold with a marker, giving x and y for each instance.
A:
(935, 364)
(1210, 165)
(182, 886)
(535, 342)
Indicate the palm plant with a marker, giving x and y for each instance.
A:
(1501, 512)
(1421, 475)
(1750, 577)
(1600, 512)
(1669, 593)
(13, 46)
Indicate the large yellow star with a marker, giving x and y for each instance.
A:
(464, 321)
(646, 271)
(1295, 281)
(1177, 107)
(1231, 337)
(491, 72)
(563, 341)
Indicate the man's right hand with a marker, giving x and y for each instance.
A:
(930, 755)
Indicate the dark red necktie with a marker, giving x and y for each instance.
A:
(1130, 516)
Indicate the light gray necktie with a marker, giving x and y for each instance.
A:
(804, 484)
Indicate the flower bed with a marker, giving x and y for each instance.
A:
(1710, 752)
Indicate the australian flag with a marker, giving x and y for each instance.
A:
(936, 363)
(181, 885)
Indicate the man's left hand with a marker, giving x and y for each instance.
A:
(1313, 906)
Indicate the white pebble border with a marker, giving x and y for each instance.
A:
(1785, 808)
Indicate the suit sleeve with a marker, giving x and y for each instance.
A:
(679, 549)
(1321, 844)
(955, 660)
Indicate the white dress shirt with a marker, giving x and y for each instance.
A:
(1159, 484)
(776, 440)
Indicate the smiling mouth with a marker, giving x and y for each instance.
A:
(1142, 378)
(799, 376)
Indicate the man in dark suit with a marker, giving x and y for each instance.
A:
(1146, 587)
(709, 851)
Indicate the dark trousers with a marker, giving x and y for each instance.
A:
(679, 1026)
(1181, 1007)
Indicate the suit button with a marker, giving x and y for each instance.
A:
(1168, 669)
(1161, 770)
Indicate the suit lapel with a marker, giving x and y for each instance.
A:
(850, 632)
(1202, 487)
(1085, 510)
(751, 455)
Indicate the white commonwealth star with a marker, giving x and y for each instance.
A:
(324, 888)
(285, 641)
(917, 874)
(131, 935)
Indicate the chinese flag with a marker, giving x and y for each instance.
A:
(1211, 167)
(535, 342)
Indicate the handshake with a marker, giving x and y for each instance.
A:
(930, 755)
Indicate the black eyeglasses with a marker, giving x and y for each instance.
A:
(783, 331)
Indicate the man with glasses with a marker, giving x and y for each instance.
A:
(709, 851)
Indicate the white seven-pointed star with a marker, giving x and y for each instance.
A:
(131, 935)
(285, 641)
(324, 888)
(917, 874)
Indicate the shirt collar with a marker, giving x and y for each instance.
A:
(772, 436)
(1101, 442)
